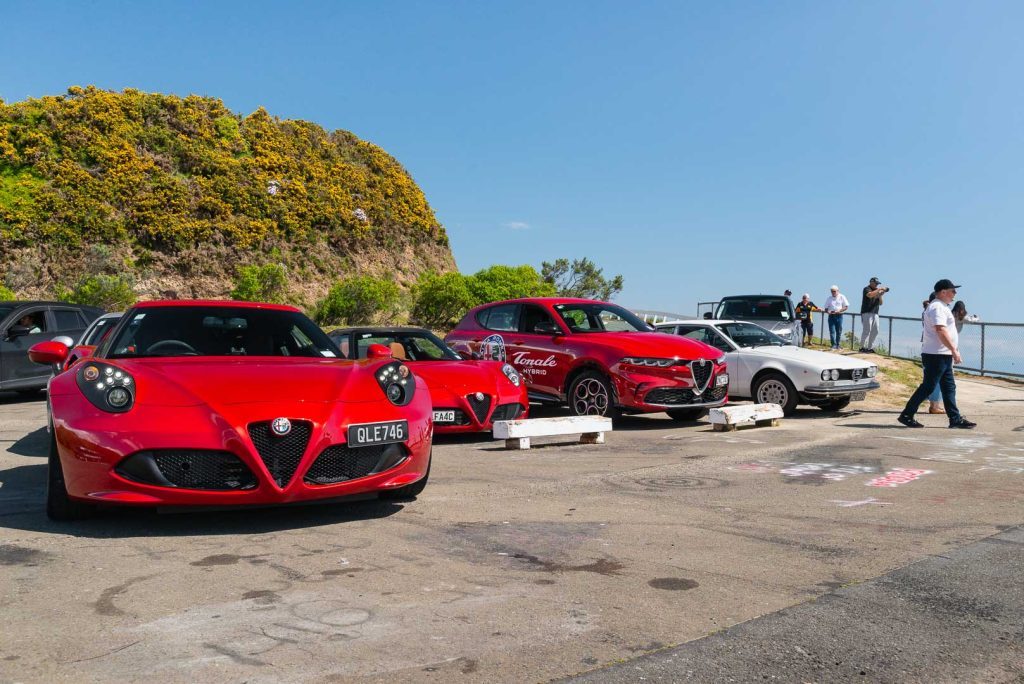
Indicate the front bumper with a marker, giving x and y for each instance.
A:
(837, 390)
(95, 446)
(478, 415)
(655, 391)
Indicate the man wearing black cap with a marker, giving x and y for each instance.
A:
(870, 302)
(939, 352)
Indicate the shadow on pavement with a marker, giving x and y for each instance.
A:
(35, 443)
(22, 499)
(22, 398)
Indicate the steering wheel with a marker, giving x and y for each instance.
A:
(171, 345)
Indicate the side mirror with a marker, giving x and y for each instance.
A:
(16, 331)
(48, 353)
(546, 328)
(476, 356)
(378, 351)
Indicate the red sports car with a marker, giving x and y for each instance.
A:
(467, 395)
(598, 358)
(205, 403)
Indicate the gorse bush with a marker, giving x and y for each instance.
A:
(111, 293)
(267, 283)
(169, 172)
(6, 295)
(358, 301)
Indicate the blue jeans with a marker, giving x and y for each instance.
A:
(835, 329)
(938, 371)
(936, 395)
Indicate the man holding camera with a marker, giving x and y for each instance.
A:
(869, 305)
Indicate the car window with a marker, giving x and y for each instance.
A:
(218, 331)
(100, 330)
(750, 335)
(598, 317)
(4, 310)
(763, 307)
(532, 315)
(68, 319)
(705, 334)
(35, 320)
(343, 344)
(502, 318)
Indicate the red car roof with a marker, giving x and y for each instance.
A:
(549, 300)
(158, 303)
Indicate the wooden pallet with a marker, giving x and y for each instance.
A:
(517, 433)
(729, 418)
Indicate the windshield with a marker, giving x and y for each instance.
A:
(218, 331)
(596, 317)
(750, 335)
(762, 308)
(4, 310)
(410, 346)
(100, 329)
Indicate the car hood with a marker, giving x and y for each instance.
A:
(653, 345)
(461, 377)
(182, 381)
(811, 357)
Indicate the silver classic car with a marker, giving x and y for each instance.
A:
(766, 368)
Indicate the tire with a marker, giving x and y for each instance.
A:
(29, 393)
(775, 388)
(591, 394)
(409, 491)
(835, 404)
(59, 506)
(686, 415)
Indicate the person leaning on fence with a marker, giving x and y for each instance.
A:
(803, 309)
(870, 303)
(939, 351)
(959, 315)
(835, 305)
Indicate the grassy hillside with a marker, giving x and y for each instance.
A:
(173, 194)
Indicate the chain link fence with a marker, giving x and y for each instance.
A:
(986, 348)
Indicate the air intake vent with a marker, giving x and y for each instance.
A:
(281, 455)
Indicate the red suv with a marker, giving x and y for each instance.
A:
(598, 358)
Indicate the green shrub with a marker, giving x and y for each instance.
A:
(357, 301)
(111, 293)
(440, 300)
(6, 295)
(498, 282)
(267, 283)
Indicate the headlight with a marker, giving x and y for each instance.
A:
(872, 370)
(832, 374)
(106, 387)
(397, 381)
(512, 374)
(784, 332)
(652, 363)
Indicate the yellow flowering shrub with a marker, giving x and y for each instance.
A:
(169, 173)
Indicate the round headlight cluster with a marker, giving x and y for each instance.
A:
(397, 382)
(832, 374)
(872, 371)
(512, 374)
(107, 387)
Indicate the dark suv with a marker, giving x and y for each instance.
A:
(771, 312)
(22, 324)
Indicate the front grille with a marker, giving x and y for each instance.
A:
(672, 396)
(507, 412)
(702, 373)
(188, 469)
(669, 396)
(340, 462)
(480, 407)
(281, 455)
(852, 373)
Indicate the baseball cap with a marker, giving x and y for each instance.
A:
(874, 279)
(946, 284)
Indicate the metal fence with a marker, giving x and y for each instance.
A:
(986, 348)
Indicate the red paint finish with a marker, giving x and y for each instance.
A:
(452, 383)
(551, 359)
(208, 402)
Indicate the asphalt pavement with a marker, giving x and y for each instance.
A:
(814, 551)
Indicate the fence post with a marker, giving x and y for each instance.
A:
(889, 348)
(982, 369)
(853, 331)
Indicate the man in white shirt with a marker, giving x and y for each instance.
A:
(835, 305)
(939, 351)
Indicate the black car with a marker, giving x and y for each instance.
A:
(23, 324)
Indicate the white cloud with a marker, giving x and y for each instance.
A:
(516, 225)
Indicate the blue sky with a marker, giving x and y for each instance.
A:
(699, 149)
